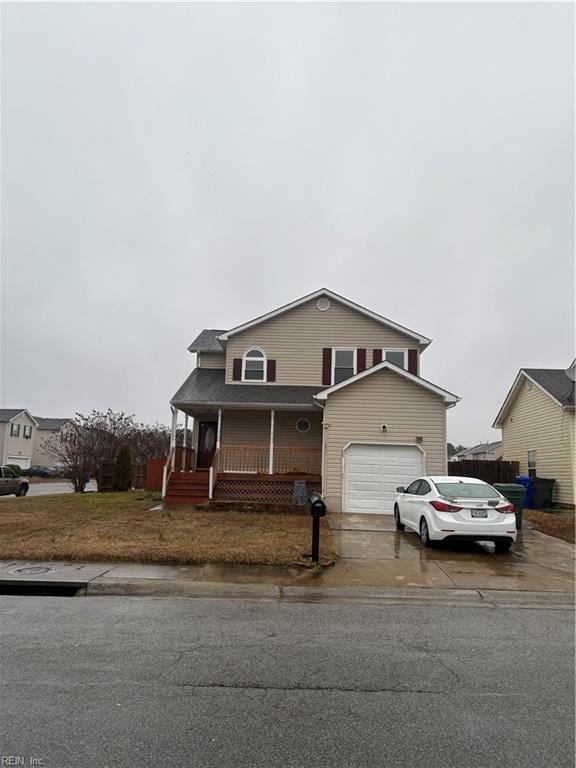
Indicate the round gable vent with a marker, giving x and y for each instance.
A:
(323, 304)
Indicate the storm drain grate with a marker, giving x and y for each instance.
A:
(32, 570)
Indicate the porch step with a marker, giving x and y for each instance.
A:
(187, 488)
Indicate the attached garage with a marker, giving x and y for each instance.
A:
(373, 472)
(22, 461)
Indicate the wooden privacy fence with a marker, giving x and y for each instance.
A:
(155, 468)
(489, 471)
(105, 477)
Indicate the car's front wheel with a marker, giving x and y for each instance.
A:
(23, 490)
(399, 523)
(502, 546)
(425, 539)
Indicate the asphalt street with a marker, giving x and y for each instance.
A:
(50, 489)
(137, 682)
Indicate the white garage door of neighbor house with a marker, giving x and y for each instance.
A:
(21, 461)
(373, 472)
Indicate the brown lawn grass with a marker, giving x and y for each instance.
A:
(560, 525)
(120, 526)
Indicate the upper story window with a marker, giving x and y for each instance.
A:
(343, 364)
(27, 433)
(398, 357)
(254, 365)
(14, 430)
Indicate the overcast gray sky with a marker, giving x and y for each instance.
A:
(172, 167)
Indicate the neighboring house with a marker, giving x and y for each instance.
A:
(17, 427)
(481, 452)
(537, 423)
(320, 394)
(47, 428)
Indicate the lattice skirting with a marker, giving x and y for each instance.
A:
(275, 492)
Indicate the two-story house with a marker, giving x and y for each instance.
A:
(320, 394)
(17, 428)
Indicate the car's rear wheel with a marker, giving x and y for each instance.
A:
(23, 490)
(399, 523)
(502, 546)
(425, 539)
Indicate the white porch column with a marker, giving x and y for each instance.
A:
(173, 435)
(219, 429)
(271, 459)
(184, 442)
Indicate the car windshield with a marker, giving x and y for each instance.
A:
(467, 491)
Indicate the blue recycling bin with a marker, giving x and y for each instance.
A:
(527, 483)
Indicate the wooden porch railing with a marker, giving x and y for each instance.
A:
(256, 459)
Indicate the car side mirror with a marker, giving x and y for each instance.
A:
(401, 489)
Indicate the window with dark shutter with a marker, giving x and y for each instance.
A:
(376, 356)
(413, 361)
(327, 366)
(271, 370)
(360, 360)
(237, 369)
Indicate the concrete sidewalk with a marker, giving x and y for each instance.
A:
(252, 583)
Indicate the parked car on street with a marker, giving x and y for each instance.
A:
(455, 508)
(9, 483)
(39, 470)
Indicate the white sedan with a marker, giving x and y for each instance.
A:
(463, 508)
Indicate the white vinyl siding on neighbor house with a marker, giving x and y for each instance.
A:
(355, 414)
(296, 339)
(535, 422)
(40, 453)
(211, 360)
(19, 447)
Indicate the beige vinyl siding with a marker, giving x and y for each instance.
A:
(253, 428)
(356, 414)
(19, 446)
(536, 422)
(295, 339)
(40, 454)
(211, 360)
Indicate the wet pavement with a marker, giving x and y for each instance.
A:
(373, 552)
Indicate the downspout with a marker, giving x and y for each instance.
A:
(323, 451)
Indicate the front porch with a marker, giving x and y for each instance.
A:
(247, 455)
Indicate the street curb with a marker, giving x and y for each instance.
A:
(159, 588)
(108, 587)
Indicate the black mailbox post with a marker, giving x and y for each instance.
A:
(317, 510)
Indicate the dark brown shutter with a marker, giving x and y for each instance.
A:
(360, 360)
(327, 366)
(271, 370)
(413, 361)
(237, 369)
(376, 356)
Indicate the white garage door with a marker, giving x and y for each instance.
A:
(21, 461)
(373, 472)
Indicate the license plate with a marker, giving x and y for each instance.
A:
(479, 513)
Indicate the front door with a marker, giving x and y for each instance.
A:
(206, 444)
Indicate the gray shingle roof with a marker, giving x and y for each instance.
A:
(206, 386)
(8, 413)
(481, 448)
(556, 382)
(50, 423)
(207, 341)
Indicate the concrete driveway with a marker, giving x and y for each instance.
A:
(373, 553)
